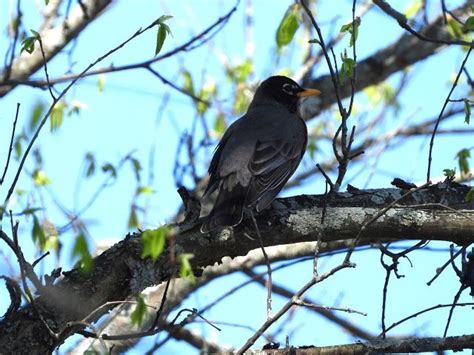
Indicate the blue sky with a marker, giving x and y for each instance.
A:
(125, 117)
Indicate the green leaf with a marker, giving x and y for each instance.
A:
(139, 312)
(219, 125)
(81, 250)
(18, 145)
(133, 218)
(288, 26)
(185, 268)
(240, 73)
(353, 29)
(449, 173)
(109, 168)
(57, 115)
(28, 44)
(463, 161)
(137, 167)
(101, 82)
(46, 2)
(470, 195)
(242, 100)
(469, 24)
(205, 94)
(467, 109)
(413, 8)
(145, 190)
(153, 242)
(454, 28)
(347, 68)
(312, 147)
(36, 114)
(314, 40)
(163, 31)
(40, 178)
(188, 82)
(38, 234)
(90, 164)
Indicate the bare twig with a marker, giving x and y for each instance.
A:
(10, 149)
(442, 111)
(269, 267)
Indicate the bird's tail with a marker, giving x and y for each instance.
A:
(228, 209)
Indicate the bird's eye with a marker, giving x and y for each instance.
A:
(289, 89)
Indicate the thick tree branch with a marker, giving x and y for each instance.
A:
(54, 40)
(121, 272)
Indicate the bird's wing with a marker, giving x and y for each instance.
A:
(272, 164)
(213, 166)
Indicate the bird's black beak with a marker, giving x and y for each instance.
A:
(308, 92)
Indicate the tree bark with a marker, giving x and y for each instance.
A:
(120, 271)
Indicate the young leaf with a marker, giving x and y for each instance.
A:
(454, 28)
(145, 190)
(312, 148)
(139, 312)
(109, 168)
(347, 67)
(353, 29)
(185, 268)
(153, 242)
(28, 44)
(81, 250)
(36, 114)
(133, 218)
(40, 178)
(57, 115)
(467, 110)
(449, 173)
(163, 31)
(188, 82)
(38, 234)
(288, 26)
(413, 8)
(470, 195)
(469, 24)
(101, 82)
(219, 125)
(137, 167)
(463, 161)
(90, 164)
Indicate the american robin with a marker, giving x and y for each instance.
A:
(258, 153)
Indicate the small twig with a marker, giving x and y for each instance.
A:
(39, 259)
(10, 149)
(60, 96)
(424, 311)
(442, 111)
(176, 87)
(378, 215)
(46, 68)
(441, 269)
(451, 310)
(26, 269)
(289, 304)
(162, 305)
(269, 267)
(16, 23)
(328, 308)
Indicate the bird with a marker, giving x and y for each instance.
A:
(258, 153)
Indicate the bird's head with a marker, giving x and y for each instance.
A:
(283, 90)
